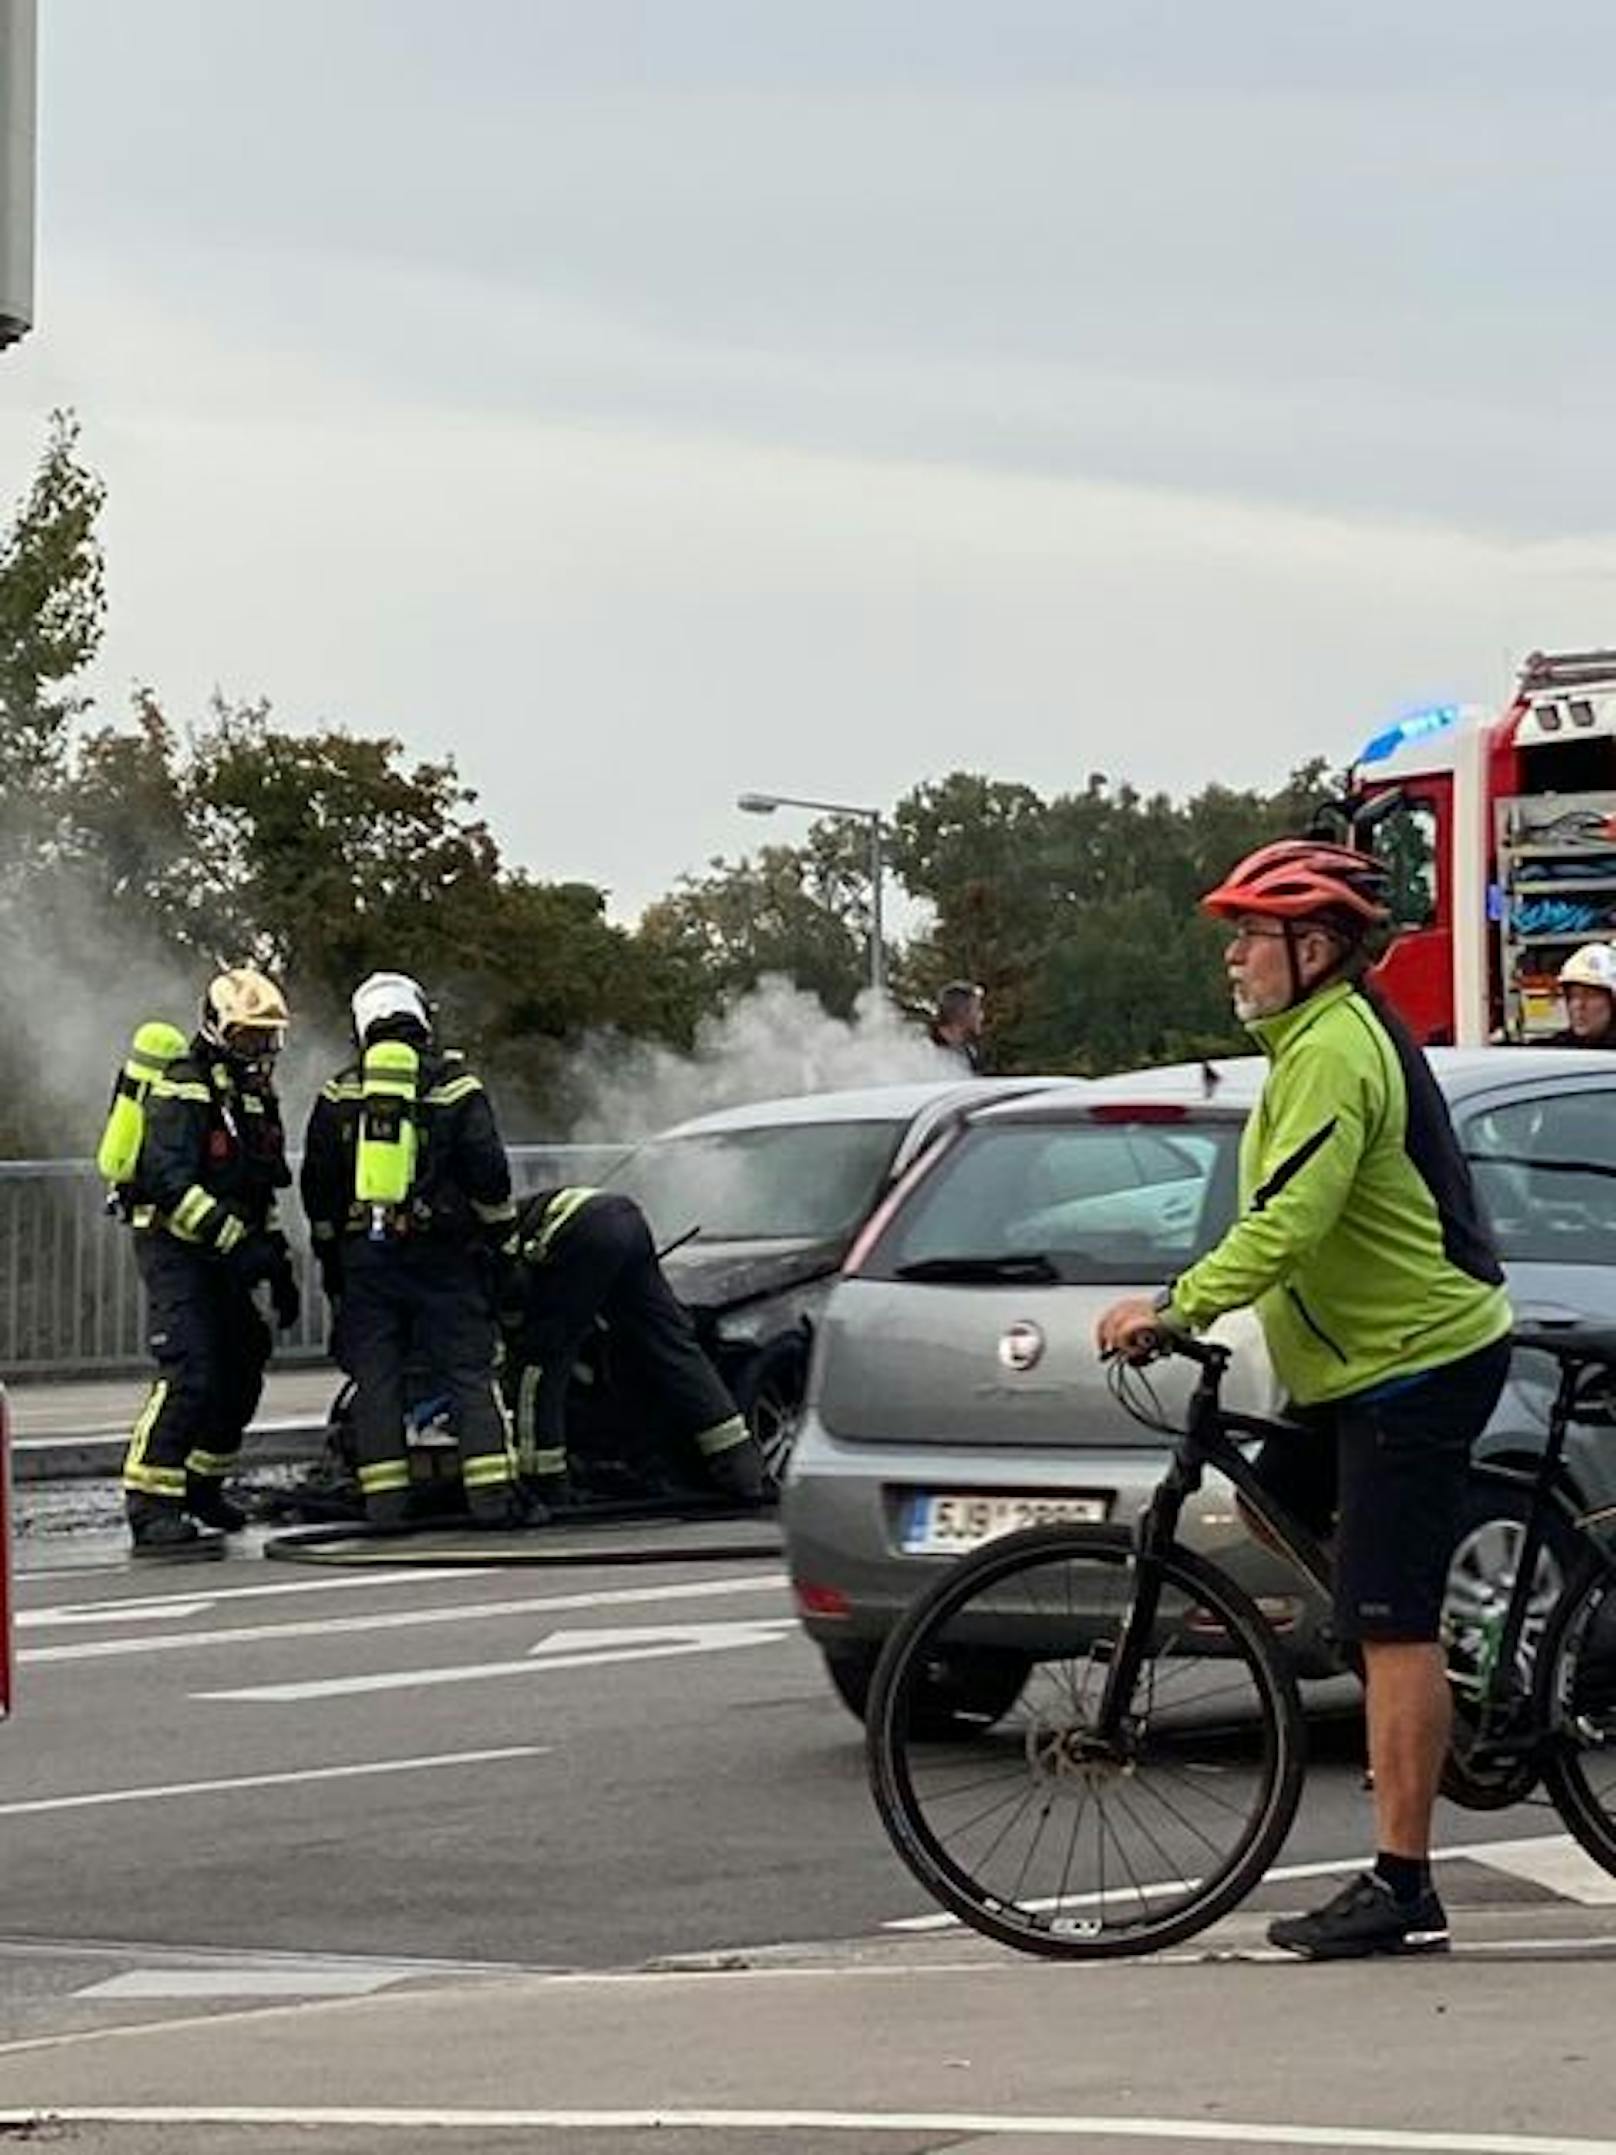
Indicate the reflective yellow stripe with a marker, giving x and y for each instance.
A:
(557, 1213)
(192, 1209)
(384, 1475)
(155, 1481)
(232, 1232)
(167, 1088)
(212, 1466)
(487, 1470)
(527, 1409)
(722, 1437)
(460, 1088)
(342, 1089)
(547, 1463)
(135, 1469)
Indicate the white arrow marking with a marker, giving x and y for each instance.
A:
(658, 1643)
(467, 1612)
(698, 1638)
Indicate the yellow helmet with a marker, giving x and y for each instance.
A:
(245, 1013)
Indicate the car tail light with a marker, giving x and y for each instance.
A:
(821, 1600)
(1139, 1111)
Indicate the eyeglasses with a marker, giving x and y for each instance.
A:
(1256, 935)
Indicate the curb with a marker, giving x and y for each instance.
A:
(97, 1453)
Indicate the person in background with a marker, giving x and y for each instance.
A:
(1588, 983)
(956, 1025)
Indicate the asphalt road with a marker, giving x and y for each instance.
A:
(588, 1769)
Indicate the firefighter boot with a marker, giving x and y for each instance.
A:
(205, 1499)
(159, 1529)
(740, 1472)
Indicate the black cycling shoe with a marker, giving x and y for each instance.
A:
(1365, 1917)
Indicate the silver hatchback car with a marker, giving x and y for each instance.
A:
(955, 1391)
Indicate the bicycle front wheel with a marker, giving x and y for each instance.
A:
(1576, 1703)
(1041, 1830)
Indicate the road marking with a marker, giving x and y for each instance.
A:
(89, 1801)
(468, 1612)
(245, 1982)
(653, 1642)
(1555, 1862)
(1552, 1861)
(115, 1610)
(249, 1981)
(986, 2125)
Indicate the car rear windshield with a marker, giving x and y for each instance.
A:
(799, 1181)
(1099, 1203)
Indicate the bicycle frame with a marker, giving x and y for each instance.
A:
(1209, 1440)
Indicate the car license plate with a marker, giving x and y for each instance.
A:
(938, 1523)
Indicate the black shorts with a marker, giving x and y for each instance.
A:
(1386, 1474)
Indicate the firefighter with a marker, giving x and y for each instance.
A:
(408, 1193)
(209, 1159)
(1588, 983)
(585, 1256)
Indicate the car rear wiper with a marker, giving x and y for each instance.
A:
(1032, 1266)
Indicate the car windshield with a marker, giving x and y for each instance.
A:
(808, 1180)
(1103, 1203)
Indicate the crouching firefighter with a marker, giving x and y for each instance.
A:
(586, 1257)
(408, 1193)
(195, 1153)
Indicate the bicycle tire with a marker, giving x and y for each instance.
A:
(1574, 1698)
(1217, 1713)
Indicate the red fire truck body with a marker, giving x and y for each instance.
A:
(1502, 831)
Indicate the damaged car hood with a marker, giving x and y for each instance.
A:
(718, 1275)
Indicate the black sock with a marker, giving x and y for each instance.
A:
(1408, 1876)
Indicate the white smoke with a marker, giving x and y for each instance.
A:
(775, 1041)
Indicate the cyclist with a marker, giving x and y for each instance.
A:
(1360, 1245)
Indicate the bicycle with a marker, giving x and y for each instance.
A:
(1149, 1771)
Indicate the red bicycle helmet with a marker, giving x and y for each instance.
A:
(1306, 879)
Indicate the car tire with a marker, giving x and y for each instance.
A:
(969, 1695)
(1480, 1574)
(770, 1393)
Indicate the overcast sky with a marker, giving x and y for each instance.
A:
(652, 401)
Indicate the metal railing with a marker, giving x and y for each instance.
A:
(70, 1299)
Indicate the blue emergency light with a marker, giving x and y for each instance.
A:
(1413, 726)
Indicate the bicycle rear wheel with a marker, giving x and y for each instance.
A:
(1038, 1832)
(1576, 1703)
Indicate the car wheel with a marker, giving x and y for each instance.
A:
(1481, 1575)
(770, 1395)
(967, 1692)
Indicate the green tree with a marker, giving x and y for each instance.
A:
(52, 608)
(798, 910)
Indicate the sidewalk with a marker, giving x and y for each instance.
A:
(952, 2044)
(64, 1431)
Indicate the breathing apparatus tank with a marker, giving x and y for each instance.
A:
(385, 1154)
(156, 1044)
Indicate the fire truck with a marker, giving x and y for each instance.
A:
(1500, 829)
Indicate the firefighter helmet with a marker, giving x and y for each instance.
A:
(1307, 879)
(384, 996)
(245, 1013)
(1593, 966)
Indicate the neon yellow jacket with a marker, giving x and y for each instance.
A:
(1359, 1241)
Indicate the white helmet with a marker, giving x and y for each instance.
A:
(1593, 966)
(388, 995)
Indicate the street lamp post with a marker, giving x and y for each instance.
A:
(764, 804)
